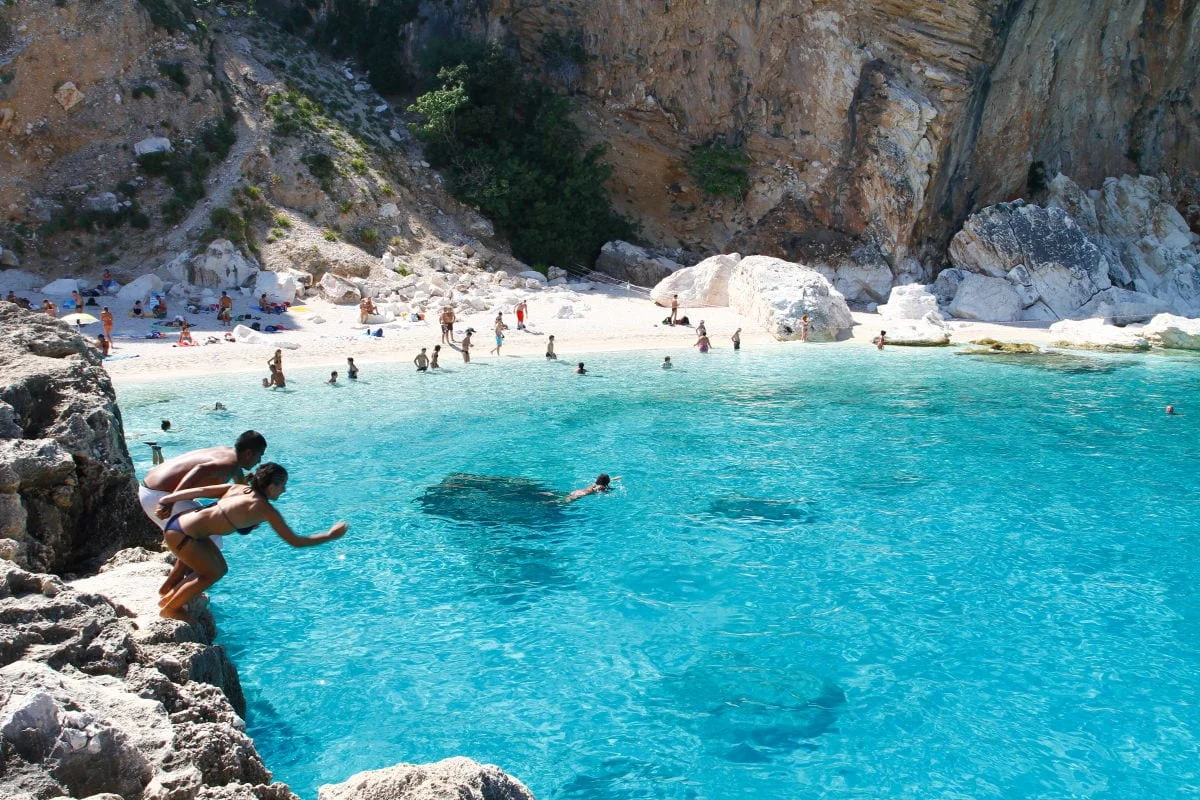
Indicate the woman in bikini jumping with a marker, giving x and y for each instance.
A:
(238, 508)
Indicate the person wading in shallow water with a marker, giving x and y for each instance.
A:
(238, 508)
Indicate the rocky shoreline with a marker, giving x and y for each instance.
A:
(99, 696)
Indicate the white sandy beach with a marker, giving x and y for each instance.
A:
(611, 322)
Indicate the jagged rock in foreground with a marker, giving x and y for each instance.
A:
(451, 779)
(105, 696)
(778, 293)
(67, 488)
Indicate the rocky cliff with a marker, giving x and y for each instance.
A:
(67, 489)
(876, 123)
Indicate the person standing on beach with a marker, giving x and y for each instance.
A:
(466, 345)
(880, 340)
(225, 310)
(351, 369)
(242, 508)
(737, 340)
(674, 309)
(103, 344)
(422, 361)
(500, 329)
(447, 322)
(521, 310)
(433, 359)
(77, 300)
(197, 468)
(805, 324)
(550, 354)
(106, 319)
(50, 308)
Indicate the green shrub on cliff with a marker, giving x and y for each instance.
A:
(720, 170)
(510, 148)
(373, 33)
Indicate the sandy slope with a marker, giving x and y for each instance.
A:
(612, 322)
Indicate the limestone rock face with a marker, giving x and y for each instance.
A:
(1168, 330)
(778, 293)
(1060, 267)
(884, 121)
(628, 262)
(706, 284)
(988, 299)
(67, 488)
(451, 779)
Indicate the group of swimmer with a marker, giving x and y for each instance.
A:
(276, 380)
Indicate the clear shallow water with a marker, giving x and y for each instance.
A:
(826, 572)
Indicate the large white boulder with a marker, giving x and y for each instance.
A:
(1061, 267)
(140, 288)
(280, 287)
(61, 287)
(1093, 334)
(777, 293)
(929, 331)
(250, 336)
(221, 266)
(532, 275)
(154, 144)
(706, 284)
(1169, 330)
(339, 290)
(984, 298)
(911, 301)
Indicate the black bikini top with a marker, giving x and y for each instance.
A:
(241, 531)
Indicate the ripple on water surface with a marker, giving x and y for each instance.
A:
(828, 572)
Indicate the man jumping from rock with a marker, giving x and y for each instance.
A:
(207, 467)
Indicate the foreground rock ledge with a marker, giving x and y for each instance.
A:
(457, 778)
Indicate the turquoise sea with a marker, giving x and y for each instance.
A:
(826, 571)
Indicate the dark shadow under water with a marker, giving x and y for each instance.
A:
(1067, 363)
(494, 501)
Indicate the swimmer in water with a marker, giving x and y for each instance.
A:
(601, 484)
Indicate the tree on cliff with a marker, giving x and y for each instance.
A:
(511, 149)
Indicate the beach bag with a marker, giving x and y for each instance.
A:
(378, 332)
(254, 326)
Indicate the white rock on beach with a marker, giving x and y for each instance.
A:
(61, 287)
(1093, 334)
(1122, 306)
(16, 280)
(777, 293)
(911, 301)
(154, 144)
(140, 288)
(221, 266)
(706, 284)
(339, 290)
(279, 287)
(927, 332)
(1169, 330)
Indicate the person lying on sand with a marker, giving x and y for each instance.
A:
(238, 508)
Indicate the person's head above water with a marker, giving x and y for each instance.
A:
(603, 481)
(249, 447)
(166, 425)
(269, 480)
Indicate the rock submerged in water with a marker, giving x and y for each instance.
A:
(989, 346)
